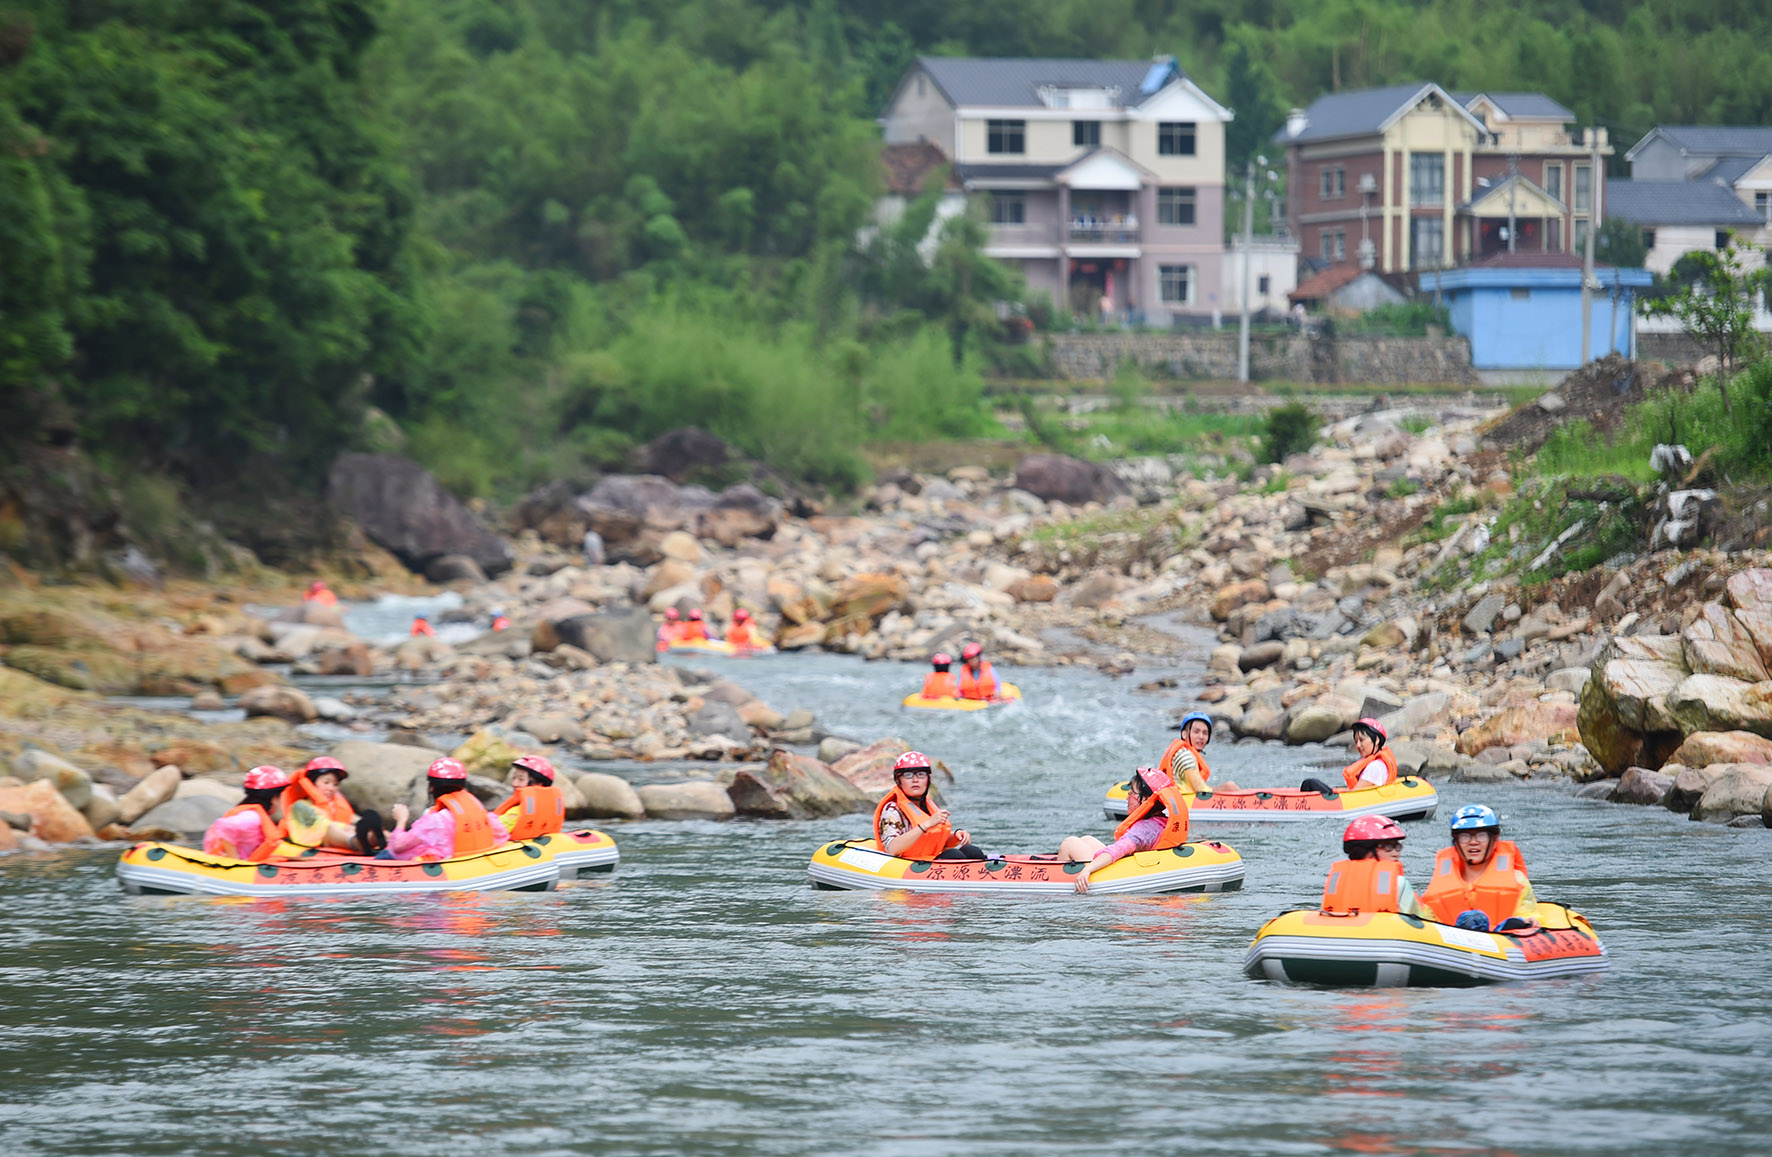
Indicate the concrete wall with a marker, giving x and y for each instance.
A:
(1541, 328)
(919, 113)
(1291, 357)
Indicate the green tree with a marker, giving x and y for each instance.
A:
(1620, 243)
(1716, 309)
(1249, 91)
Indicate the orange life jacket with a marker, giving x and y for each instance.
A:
(940, 685)
(980, 686)
(739, 635)
(272, 831)
(533, 811)
(1363, 886)
(323, 596)
(1351, 773)
(937, 838)
(1496, 892)
(420, 627)
(1174, 833)
(473, 829)
(501, 623)
(338, 809)
(1176, 745)
(693, 632)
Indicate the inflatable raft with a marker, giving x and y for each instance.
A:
(1410, 798)
(1010, 693)
(155, 869)
(860, 865)
(1386, 950)
(584, 850)
(705, 646)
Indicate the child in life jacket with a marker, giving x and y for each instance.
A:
(536, 807)
(1480, 881)
(977, 678)
(319, 592)
(939, 684)
(670, 630)
(696, 629)
(1371, 878)
(742, 633)
(320, 784)
(456, 824)
(252, 829)
(1374, 764)
(421, 628)
(1156, 818)
(908, 824)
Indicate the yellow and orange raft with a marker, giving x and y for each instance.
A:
(1388, 950)
(720, 647)
(1008, 693)
(860, 865)
(160, 869)
(1409, 798)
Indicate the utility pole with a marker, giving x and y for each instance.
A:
(1587, 263)
(1248, 244)
(1513, 185)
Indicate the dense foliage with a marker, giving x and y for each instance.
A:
(534, 232)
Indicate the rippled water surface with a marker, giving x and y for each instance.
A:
(706, 1000)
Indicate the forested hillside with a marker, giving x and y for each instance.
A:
(535, 232)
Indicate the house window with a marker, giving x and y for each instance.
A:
(1334, 183)
(1263, 284)
(1175, 206)
(1648, 239)
(1553, 235)
(1175, 283)
(1579, 235)
(1009, 208)
(1334, 244)
(1722, 239)
(1427, 178)
(1553, 179)
(1007, 137)
(1427, 239)
(1519, 294)
(1086, 133)
(1763, 206)
(1584, 188)
(1175, 139)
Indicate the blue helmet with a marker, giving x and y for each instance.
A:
(1474, 818)
(1196, 717)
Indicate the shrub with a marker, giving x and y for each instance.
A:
(1290, 429)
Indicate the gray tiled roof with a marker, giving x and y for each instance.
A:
(1015, 83)
(1015, 172)
(1351, 114)
(1729, 170)
(1677, 203)
(1737, 140)
(1519, 104)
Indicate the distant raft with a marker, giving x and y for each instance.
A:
(157, 869)
(1008, 693)
(581, 851)
(860, 865)
(1387, 950)
(1409, 798)
(705, 646)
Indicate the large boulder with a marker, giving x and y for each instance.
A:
(487, 752)
(1740, 791)
(623, 635)
(1416, 715)
(1554, 722)
(716, 718)
(608, 797)
(1719, 703)
(870, 769)
(1057, 478)
(1716, 643)
(153, 790)
(1623, 716)
(1690, 784)
(1238, 594)
(1315, 722)
(53, 819)
(1640, 785)
(796, 787)
(188, 815)
(679, 453)
(36, 764)
(698, 800)
(1703, 748)
(404, 509)
(383, 774)
(739, 512)
(279, 702)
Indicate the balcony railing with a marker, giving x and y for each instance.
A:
(1120, 229)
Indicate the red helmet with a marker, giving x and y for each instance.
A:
(942, 660)
(671, 614)
(447, 768)
(325, 763)
(266, 776)
(971, 651)
(535, 765)
(741, 615)
(1372, 829)
(695, 616)
(911, 761)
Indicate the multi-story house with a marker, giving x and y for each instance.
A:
(1413, 177)
(1103, 179)
(1737, 158)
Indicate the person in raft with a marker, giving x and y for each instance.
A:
(536, 807)
(1185, 759)
(319, 592)
(252, 828)
(500, 620)
(743, 633)
(696, 629)
(456, 824)
(1374, 764)
(911, 826)
(320, 784)
(422, 626)
(1371, 878)
(1156, 818)
(1480, 881)
(939, 684)
(670, 630)
(977, 679)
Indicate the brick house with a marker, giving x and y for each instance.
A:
(1101, 180)
(1413, 177)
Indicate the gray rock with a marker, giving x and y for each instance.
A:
(1057, 478)
(154, 790)
(74, 784)
(793, 786)
(1509, 649)
(1417, 714)
(1747, 822)
(1739, 791)
(716, 718)
(1568, 679)
(624, 635)
(1481, 618)
(383, 774)
(1552, 402)
(1690, 784)
(834, 747)
(1599, 789)
(700, 800)
(1640, 785)
(404, 509)
(189, 815)
(609, 797)
(101, 810)
(1261, 655)
(280, 702)
(334, 710)
(1483, 773)
(450, 568)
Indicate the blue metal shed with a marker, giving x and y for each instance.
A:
(1523, 311)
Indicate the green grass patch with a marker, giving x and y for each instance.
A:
(1136, 522)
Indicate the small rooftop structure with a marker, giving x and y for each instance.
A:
(1522, 311)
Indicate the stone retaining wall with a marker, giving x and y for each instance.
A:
(1294, 357)
(1673, 349)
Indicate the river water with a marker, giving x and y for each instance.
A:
(707, 1000)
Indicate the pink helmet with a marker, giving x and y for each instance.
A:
(325, 763)
(971, 651)
(741, 615)
(671, 614)
(695, 616)
(447, 768)
(1375, 728)
(1375, 829)
(941, 659)
(1155, 778)
(911, 761)
(266, 777)
(535, 765)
